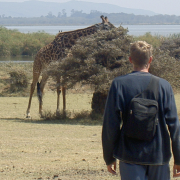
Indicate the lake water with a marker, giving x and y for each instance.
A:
(136, 30)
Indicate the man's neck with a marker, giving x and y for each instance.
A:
(141, 70)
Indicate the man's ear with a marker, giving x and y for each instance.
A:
(130, 60)
(150, 59)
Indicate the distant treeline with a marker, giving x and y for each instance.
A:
(15, 43)
(80, 18)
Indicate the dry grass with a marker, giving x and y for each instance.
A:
(36, 149)
(45, 151)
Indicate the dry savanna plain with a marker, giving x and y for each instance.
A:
(37, 149)
(51, 149)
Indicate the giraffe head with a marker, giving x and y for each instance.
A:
(105, 25)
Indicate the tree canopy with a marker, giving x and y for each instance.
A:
(95, 59)
(99, 58)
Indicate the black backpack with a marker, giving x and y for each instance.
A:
(142, 117)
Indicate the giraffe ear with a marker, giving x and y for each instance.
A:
(106, 19)
(103, 19)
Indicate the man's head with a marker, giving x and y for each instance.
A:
(140, 54)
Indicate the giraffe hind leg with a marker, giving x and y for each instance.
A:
(33, 85)
(39, 93)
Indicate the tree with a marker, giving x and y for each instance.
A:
(97, 59)
(59, 14)
(50, 15)
(77, 13)
(64, 14)
(72, 12)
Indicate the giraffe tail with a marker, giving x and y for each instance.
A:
(39, 93)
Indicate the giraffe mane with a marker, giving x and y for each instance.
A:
(68, 32)
(104, 21)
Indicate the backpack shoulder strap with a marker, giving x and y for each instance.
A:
(152, 91)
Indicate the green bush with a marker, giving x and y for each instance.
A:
(154, 40)
(13, 43)
(172, 44)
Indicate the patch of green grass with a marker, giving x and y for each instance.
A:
(154, 40)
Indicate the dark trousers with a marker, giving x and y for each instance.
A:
(144, 172)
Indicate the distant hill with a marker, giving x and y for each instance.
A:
(35, 8)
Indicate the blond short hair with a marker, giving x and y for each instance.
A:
(140, 52)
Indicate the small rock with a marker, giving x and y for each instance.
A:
(55, 176)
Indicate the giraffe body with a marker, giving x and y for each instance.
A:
(55, 51)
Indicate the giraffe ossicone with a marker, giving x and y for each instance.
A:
(55, 51)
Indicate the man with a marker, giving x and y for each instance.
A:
(140, 160)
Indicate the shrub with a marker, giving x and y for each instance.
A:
(172, 44)
(167, 67)
(18, 81)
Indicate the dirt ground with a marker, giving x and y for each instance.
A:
(33, 149)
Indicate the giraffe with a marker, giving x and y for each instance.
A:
(55, 51)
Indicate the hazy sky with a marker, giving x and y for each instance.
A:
(158, 6)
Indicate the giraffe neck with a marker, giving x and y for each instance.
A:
(68, 39)
(65, 40)
(78, 33)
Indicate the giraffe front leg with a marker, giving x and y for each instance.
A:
(40, 89)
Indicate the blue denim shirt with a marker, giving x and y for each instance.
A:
(118, 146)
